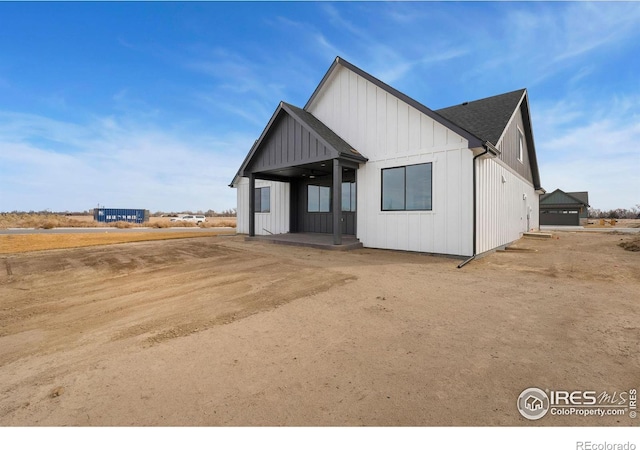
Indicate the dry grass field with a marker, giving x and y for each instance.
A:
(20, 243)
(615, 223)
(219, 331)
(48, 221)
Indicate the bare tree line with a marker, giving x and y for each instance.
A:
(619, 213)
(231, 212)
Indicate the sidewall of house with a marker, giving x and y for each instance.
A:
(276, 221)
(446, 229)
(508, 205)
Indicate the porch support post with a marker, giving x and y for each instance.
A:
(252, 204)
(355, 216)
(337, 202)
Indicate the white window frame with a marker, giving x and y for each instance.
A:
(520, 144)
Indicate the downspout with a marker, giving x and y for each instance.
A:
(486, 150)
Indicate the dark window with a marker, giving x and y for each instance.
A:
(318, 198)
(263, 199)
(407, 188)
(348, 196)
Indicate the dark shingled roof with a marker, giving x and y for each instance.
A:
(486, 118)
(560, 197)
(583, 196)
(335, 141)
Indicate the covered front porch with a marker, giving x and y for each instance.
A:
(319, 169)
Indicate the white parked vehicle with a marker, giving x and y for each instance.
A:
(198, 219)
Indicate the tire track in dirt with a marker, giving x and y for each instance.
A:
(151, 292)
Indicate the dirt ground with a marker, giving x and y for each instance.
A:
(219, 331)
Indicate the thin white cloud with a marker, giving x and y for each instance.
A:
(246, 88)
(391, 56)
(115, 163)
(400, 70)
(540, 40)
(588, 26)
(591, 147)
(253, 111)
(282, 21)
(329, 49)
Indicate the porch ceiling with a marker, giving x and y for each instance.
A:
(321, 169)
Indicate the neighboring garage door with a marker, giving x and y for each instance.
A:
(568, 217)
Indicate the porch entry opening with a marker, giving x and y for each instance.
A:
(312, 204)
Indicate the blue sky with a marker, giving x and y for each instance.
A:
(155, 105)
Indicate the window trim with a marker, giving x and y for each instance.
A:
(258, 200)
(520, 145)
(352, 198)
(320, 211)
(430, 163)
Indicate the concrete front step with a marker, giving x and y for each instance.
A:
(537, 235)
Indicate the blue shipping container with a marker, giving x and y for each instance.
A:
(120, 215)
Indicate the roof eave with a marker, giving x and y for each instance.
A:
(491, 148)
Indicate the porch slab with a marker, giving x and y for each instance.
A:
(315, 240)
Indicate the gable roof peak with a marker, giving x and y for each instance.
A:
(577, 197)
(474, 140)
(487, 117)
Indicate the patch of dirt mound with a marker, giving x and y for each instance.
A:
(633, 245)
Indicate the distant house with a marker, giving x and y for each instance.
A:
(564, 208)
(364, 159)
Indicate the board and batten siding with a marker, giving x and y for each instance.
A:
(391, 133)
(274, 222)
(508, 146)
(507, 205)
(288, 144)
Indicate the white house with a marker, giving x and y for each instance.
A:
(362, 158)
